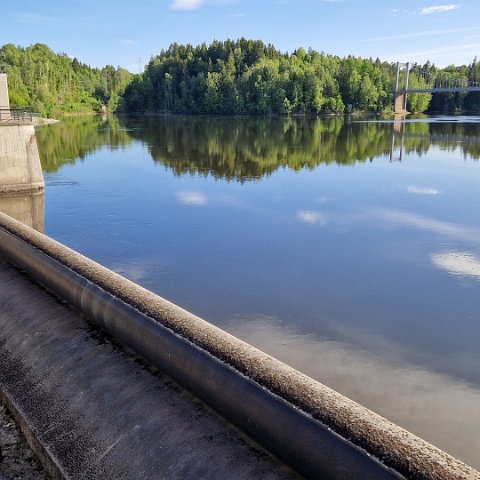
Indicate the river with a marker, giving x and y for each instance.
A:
(347, 248)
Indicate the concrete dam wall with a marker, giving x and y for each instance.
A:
(20, 168)
(315, 430)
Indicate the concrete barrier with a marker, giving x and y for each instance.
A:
(20, 168)
(317, 431)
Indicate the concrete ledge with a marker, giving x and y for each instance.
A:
(313, 428)
(22, 188)
(47, 460)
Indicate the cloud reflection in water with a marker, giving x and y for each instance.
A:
(435, 406)
(400, 218)
(423, 190)
(311, 217)
(192, 198)
(458, 263)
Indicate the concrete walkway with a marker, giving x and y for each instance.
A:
(102, 413)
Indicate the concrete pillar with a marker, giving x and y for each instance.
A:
(400, 103)
(28, 208)
(407, 72)
(397, 77)
(4, 101)
(21, 177)
(397, 132)
(20, 169)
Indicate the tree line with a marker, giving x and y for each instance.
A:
(250, 77)
(239, 77)
(54, 83)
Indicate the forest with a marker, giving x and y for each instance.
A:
(53, 84)
(233, 77)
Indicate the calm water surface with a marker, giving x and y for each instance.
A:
(348, 249)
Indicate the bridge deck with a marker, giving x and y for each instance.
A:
(439, 90)
(102, 413)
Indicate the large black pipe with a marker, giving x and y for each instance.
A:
(315, 430)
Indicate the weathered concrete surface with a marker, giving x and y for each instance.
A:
(396, 447)
(100, 413)
(16, 458)
(26, 207)
(20, 168)
(4, 100)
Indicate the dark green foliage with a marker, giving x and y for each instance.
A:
(230, 77)
(249, 77)
(54, 83)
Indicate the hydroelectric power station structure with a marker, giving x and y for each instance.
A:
(21, 179)
(110, 381)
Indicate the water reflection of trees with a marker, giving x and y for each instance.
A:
(243, 148)
(246, 148)
(419, 137)
(74, 138)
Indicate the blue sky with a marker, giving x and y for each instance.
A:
(128, 33)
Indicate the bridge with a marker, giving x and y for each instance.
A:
(426, 81)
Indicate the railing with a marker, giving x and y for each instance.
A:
(15, 115)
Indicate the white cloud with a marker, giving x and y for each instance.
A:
(311, 217)
(438, 9)
(458, 263)
(423, 190)
(186, 4)
(192, 198)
